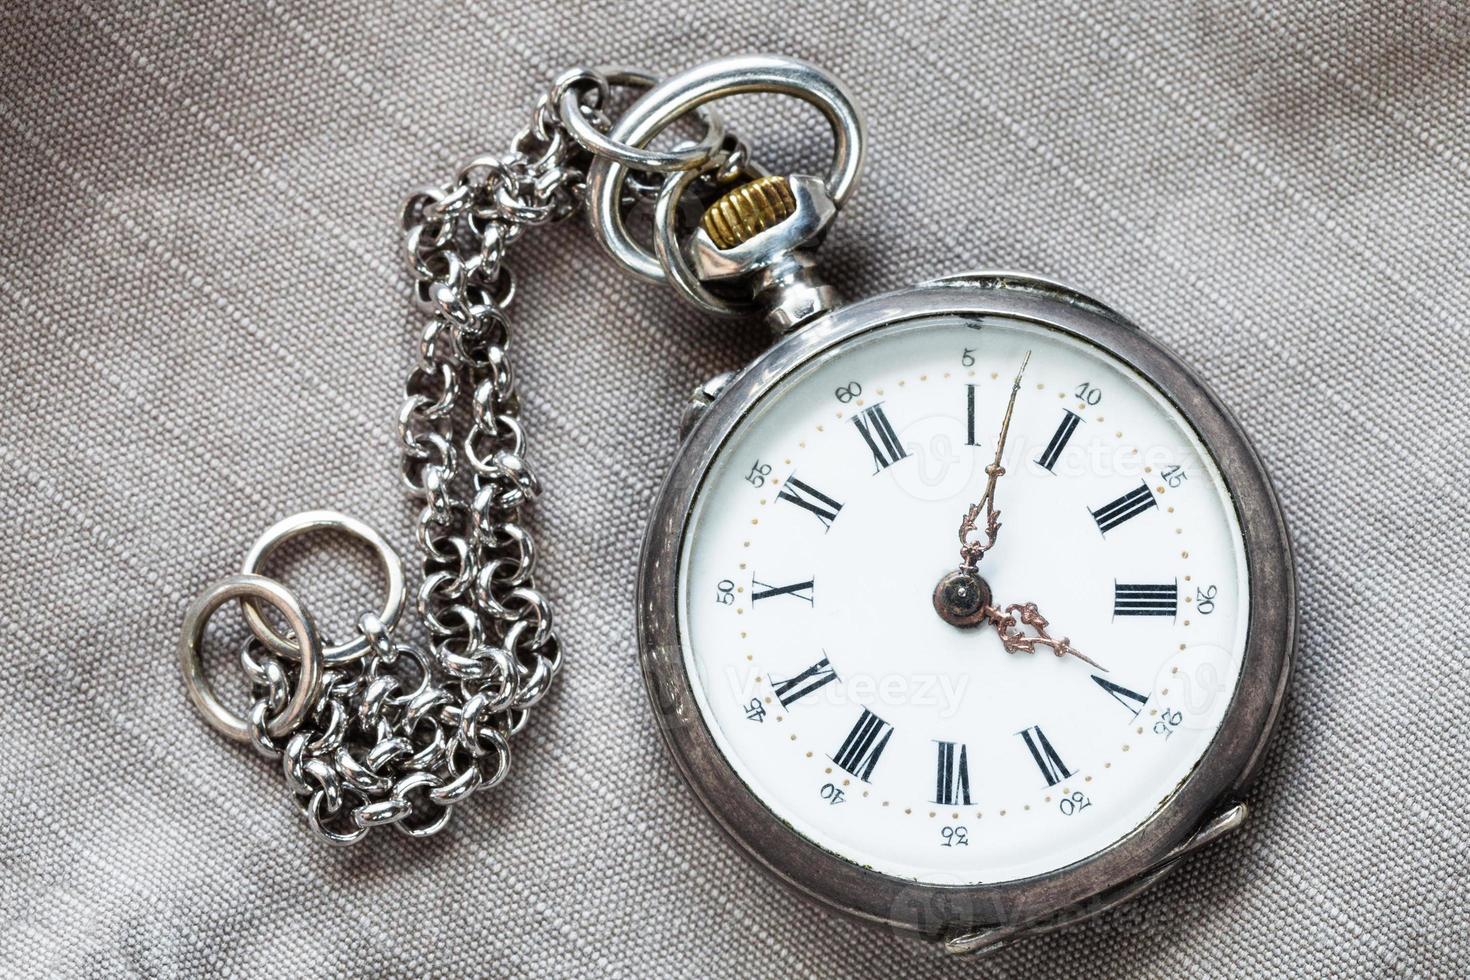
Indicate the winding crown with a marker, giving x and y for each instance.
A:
(747, 210)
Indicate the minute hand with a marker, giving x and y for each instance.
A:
(972, 551)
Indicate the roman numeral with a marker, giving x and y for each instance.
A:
(788, 692)
(804, 495)
(1053, 450)
(880, 437)
(1130, 505)
(1122, 695)
(951, 776)
(970, 416)
(1145, 600)
(761, 590)
(1053, 769)
(864, 744)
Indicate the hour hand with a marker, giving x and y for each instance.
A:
(1013, 624)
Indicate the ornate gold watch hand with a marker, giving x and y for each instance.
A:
(972, 551)
(1009, 625)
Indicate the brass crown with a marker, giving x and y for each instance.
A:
(748, 210)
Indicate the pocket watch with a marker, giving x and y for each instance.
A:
(965, 608)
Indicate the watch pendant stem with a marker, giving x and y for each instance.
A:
(792, 292)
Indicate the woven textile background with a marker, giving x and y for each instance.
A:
(205, 327)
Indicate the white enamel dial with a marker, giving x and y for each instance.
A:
(898, 741)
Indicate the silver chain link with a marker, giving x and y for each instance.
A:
(401, 734)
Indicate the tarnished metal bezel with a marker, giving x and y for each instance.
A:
(1223, 771)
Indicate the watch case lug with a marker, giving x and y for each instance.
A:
(986, 941)
(703, 396)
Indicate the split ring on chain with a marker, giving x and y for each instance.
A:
(319, 520)
(679, 94)
(308, 650)
(694, 157)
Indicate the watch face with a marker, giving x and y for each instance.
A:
(883, 733)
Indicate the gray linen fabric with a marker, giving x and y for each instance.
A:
(205, 328)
